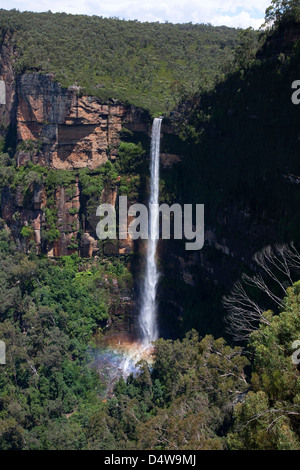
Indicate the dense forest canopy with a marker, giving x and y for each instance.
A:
(151, 65)
(200, 392)
(282, 11)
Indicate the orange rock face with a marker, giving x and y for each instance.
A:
(66, 131)
(72, 132)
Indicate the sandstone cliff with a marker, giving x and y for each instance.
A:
(72, 131)
(61, 129)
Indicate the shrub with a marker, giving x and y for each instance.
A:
(26, 231)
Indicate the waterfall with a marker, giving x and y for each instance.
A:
(147, 318)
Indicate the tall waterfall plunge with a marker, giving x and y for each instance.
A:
(148, 317)
(119, 356)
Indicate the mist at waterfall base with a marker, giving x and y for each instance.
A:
(119, 355)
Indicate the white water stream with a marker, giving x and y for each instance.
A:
(148, 313)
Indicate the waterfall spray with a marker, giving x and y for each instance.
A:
(116, 360)
(148, 313)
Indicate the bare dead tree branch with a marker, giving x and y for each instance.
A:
(275, 269)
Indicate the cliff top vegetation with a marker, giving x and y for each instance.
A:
(152, 65)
